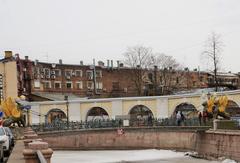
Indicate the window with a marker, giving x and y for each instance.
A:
(90, 85)
(68, 73)
(57, 85)
(57, 73)
(36, 72)
(78, 73)
(99, 85)
(89, 74)
(36, 84)
(47, 71)
(99, 74)
(46, 84)
(79, 85)
(69, 85)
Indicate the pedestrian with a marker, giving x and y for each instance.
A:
(150, 120)
(200, 118)
(178, 117)
(182, 117)
(205, 115)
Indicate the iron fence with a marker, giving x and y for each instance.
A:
(110, 123)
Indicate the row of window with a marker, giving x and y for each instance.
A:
(67, 73)
(68, 85)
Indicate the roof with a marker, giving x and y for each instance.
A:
(225, 74)
(57, 96)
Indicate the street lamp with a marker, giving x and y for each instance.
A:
(67, 104)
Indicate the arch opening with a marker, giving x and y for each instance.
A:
(139, 112)
(55, 115)
(97, 113)
(233, 109)
(188, 110)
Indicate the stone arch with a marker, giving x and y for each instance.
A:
(140, 112)
(54, 115)
(97, 113)
(233, 109)
(188, 109)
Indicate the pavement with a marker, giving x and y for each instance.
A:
(17, 153)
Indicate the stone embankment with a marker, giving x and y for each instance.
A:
(209, 144)
(25, 150)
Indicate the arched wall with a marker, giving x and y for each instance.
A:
(129, 104)
(44, 109)
(174, 102)
(85, 107)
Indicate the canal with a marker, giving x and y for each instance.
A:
(126, 156)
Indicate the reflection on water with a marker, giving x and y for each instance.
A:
(124, 156)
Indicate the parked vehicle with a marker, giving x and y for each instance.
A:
(10, 134)
(5, 138)
(1, 151)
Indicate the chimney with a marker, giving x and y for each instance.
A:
(8, 54)
(60, 61)
(26, 58)
(112, 63)
(81, 63)
(121, 65)
(35, 62)
(17, 55)
(101, 63)
(108, 63)
(118, 64)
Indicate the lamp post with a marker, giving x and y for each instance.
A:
(67, 103)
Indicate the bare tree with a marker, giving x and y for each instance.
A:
(138, 59)
(213, 52)
(168, 71)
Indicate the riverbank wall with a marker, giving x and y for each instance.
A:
(209, 144)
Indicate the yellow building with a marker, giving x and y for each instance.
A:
(8, 76)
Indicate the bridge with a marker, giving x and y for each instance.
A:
(112, 108)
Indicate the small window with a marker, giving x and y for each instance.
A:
(68, 72)
(79, 85)
(98, 73)
(89, 74)
(57, 73)
(78, 73)
(69, 85)
(90, 85)
(46, 85)
(37, 84)
(57, 85)
(47, 71)
(99, 85)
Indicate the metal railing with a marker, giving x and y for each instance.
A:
(41, 157)
(94, 124)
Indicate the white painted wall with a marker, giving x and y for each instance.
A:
(162, 108)
(117, 108)
(34, 110)
(74, 112)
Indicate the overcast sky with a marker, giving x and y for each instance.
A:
(75, 30)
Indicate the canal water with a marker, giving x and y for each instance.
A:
(126, 156)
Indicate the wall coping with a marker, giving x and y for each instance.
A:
(130, 98)
(161, 128)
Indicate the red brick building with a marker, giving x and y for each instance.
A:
(39, 80)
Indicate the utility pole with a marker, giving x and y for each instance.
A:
(94, 78)
(67, 105)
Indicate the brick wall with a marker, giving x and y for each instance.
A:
(209, 144)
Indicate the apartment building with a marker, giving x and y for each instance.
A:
(52, 81)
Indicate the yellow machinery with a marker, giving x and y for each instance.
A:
(12, 113)
(217, 106)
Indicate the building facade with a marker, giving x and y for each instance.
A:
(52, 81)
(8, 77)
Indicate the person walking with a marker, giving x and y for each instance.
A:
(182, 118)
(200, 118)
(178, 117)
